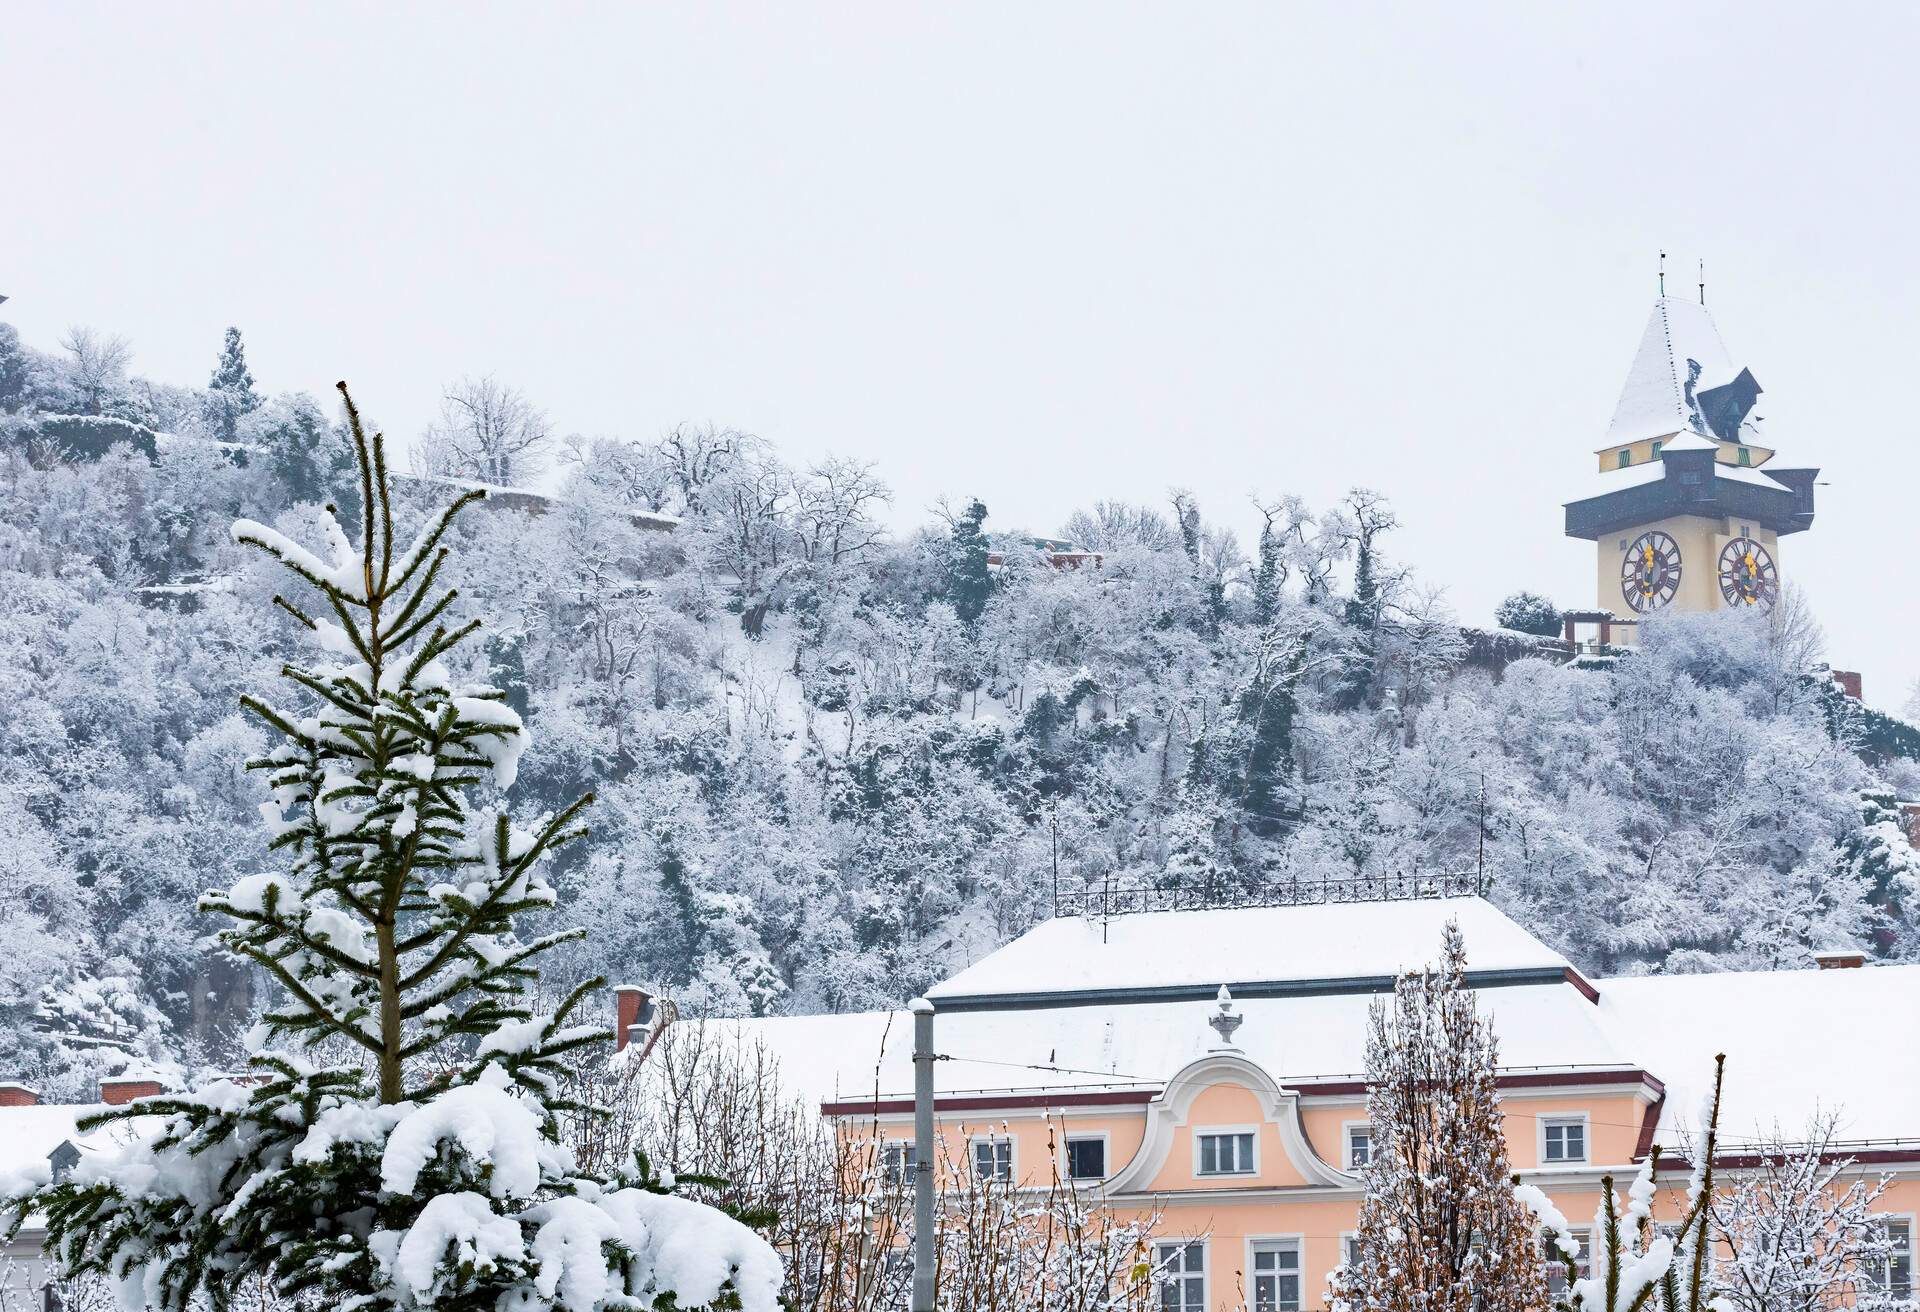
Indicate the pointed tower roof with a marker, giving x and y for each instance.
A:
(1681, 361)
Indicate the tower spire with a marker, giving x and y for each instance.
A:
(1703, 282)
(1663, 273)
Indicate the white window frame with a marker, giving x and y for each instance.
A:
(1205, 1273)
(1555, 1266)
(1346, 1143)
(1298, 1243)
(1879, 1278)
(1584, 1121)
(1220, 1131)
(1013, 1157)
(902, 1178)
(1106, 1156)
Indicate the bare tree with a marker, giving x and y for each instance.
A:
(833, 508)
(486, 431)
(629, 472)
(1795, 642)
(1114, 525)
(100, 363)
(1799, 1231)
(703, 1100)
(692, 456)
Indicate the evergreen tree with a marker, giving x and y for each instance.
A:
(1880, 859)
(230, 394)
(1439, 1229)
(1367, 608)
(1269, 704)
(969, 581)
(1269, 572)
(402, 1150)
(1529, 612)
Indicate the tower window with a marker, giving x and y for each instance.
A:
(1625, 457)
(1656, 449)
(1746, 456)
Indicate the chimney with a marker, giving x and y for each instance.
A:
(1849, 681)
(634, 1011)
(1841, 960)
(13, 1094)
(119, 1090)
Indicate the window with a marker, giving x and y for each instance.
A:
(1557, 1267)
(1563, 1139)
(1625, 458)
(1656, 449)
(1226, 1154)
(1746, 456)
(1182, 1270)
(1087, 1158)
(993, 1159)
(1359, 1146)
(1350, 1249)
(1276, 1275)
(896, 1165)
(1893, 1274)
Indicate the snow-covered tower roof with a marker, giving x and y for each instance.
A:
(1682, 379)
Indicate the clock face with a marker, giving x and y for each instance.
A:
(1650, 572)
(1747, 575)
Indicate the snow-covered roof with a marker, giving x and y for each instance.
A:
(1654, 400)
(28, 1135)
(1141, 955)
(1797, 1042)
(1300, 1040)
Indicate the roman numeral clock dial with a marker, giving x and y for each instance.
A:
(1747, 574)
(1650, 572)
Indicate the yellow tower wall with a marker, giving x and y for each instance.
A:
(1700, 539)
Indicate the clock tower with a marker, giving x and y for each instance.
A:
(1691, 507)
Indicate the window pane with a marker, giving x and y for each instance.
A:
(1086, 1158)
(1209, 1153)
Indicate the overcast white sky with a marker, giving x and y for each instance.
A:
(1038, 253)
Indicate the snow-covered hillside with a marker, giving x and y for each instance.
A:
(833, 767)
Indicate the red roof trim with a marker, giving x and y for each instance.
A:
(1649, 1122)
(1579, 981)
(1743, 1161)
(981, 1102)
(1140, 1097)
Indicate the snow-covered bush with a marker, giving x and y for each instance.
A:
(396, 1142)
(1528, 612)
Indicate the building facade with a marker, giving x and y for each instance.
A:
(1083, 1052)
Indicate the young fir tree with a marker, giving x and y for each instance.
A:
(400, 1149)
(230, 393)
(1439, 1228)
(1635, 1268)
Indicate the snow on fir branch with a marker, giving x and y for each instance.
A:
(1635, 1267)
(395, 1143)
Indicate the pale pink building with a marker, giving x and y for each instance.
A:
(1093, 1037)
